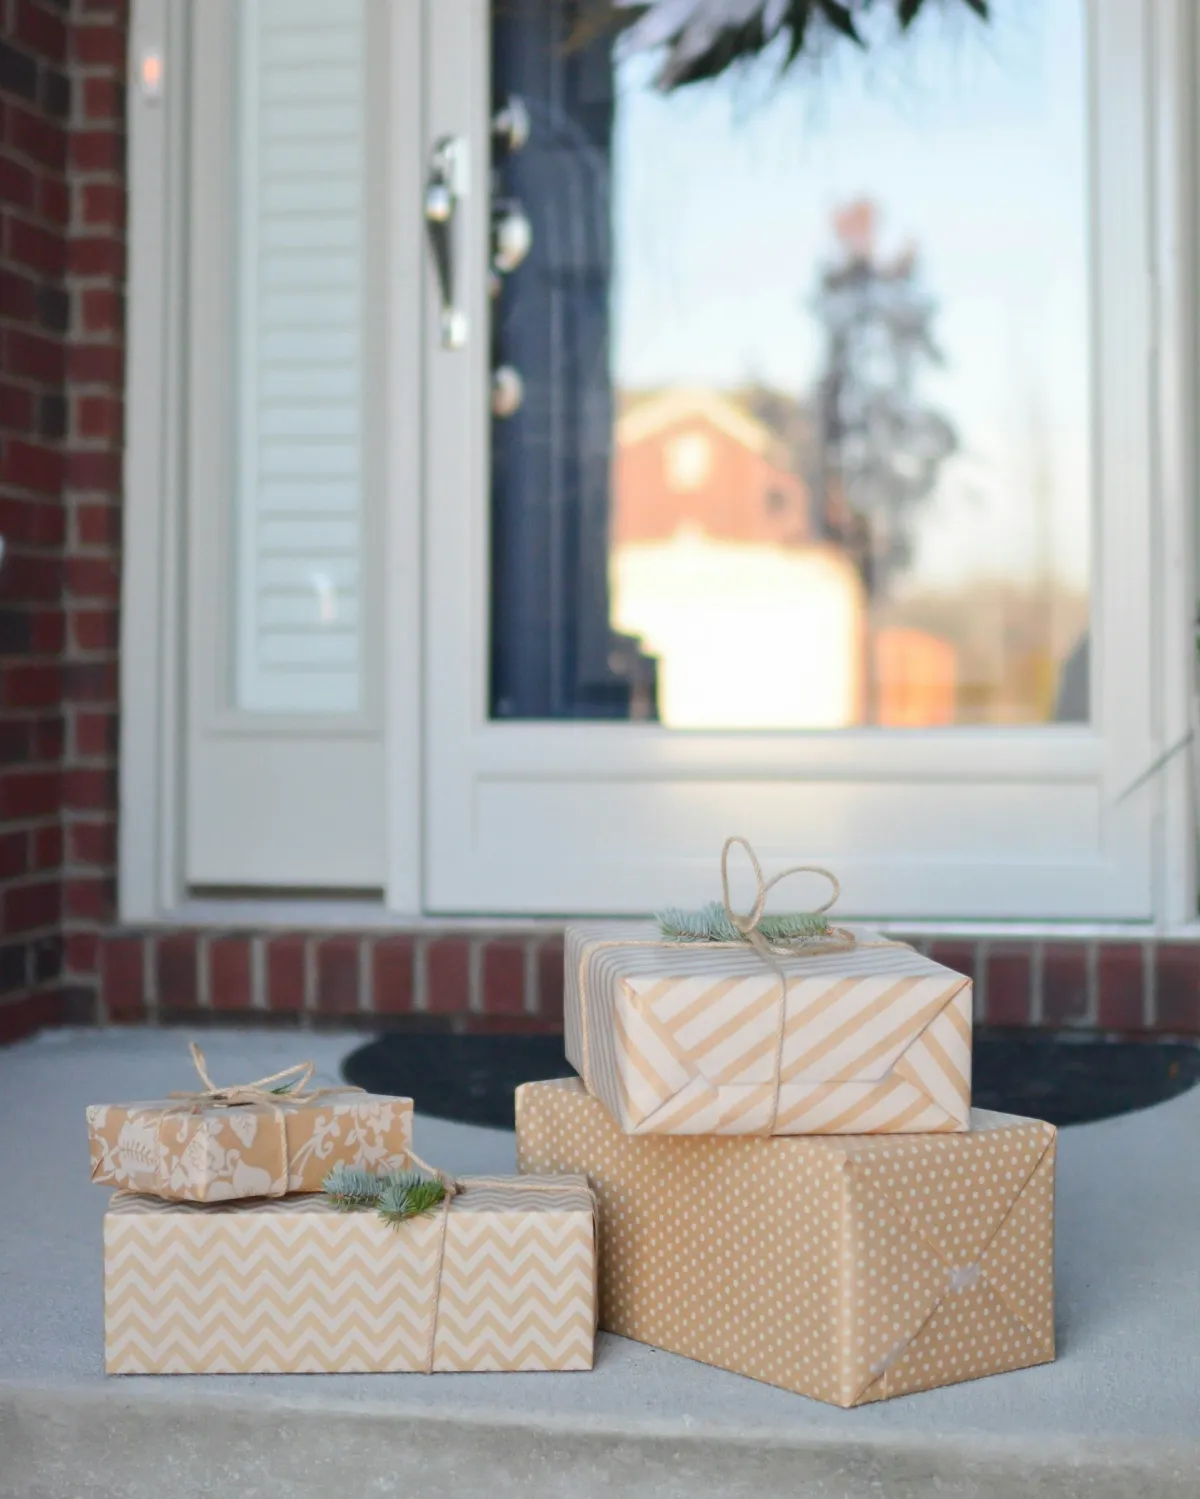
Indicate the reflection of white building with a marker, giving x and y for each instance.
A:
(747, 634)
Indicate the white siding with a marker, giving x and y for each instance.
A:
(298, 387)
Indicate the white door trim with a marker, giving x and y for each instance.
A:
(150, 595)
(403, 591)
(1176, 120)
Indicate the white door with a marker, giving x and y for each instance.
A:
(829, 519)
(286, 467)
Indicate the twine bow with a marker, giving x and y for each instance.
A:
(276, 1099)
(747, 927)
(259, 1091)
(834, 938)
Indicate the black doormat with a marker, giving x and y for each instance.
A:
(1066, 1080)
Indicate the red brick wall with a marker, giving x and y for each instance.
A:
(35, 119)
(92, 489)
(61, 280)
(514, 980)
(427, 979)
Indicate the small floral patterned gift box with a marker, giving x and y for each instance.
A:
(261, 1139)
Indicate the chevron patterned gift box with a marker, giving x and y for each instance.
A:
(685, 1038)
(850, 1268)
(292, 1286)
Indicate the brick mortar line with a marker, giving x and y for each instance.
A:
(1036, 976)
(366, 975)
(1091, 1010)
(982, 952)
(258, 972)
(308, 1006)
(203, 971)
(529, 955)
(476, 950)
(420, 975)
(150, 980)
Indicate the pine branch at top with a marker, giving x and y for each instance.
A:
(711, 923)
(703, 38)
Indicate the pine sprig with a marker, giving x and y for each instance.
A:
(407, 1195)
(711, 923)
(396, 1197)
(350, 1189)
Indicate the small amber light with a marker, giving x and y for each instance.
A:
(151, 74)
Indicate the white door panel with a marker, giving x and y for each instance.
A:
(285, 762)
(266, 805)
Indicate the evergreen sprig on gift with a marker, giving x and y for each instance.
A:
(711, 923)
(407, 1195)
(350, 1189)
(396, 1197)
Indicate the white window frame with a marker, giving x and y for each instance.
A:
(152, 646)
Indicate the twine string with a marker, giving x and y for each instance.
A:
(262, 1091)
(454, 1186)
(770, 953)
(833, 939)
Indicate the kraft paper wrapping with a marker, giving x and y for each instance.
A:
(201, 1153)
(683, 1038)
(292, 1286)
(846, 1268)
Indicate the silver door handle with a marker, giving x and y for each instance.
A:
(444, 188)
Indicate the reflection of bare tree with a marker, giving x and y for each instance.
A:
(880, 445)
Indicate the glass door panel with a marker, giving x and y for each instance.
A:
(806, 360)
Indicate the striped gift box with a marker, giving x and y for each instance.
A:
(290, 1285)
(688, 1039)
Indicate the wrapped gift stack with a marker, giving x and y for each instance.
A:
(274, 1227)
(774, 1114)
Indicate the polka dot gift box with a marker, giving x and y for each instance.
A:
(850, 1268)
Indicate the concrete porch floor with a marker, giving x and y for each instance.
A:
(1118, 1414)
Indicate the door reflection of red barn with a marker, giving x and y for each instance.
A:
(694, 460)
(695, 464)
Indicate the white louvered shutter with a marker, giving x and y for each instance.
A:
(290, 504)
(299, 356)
